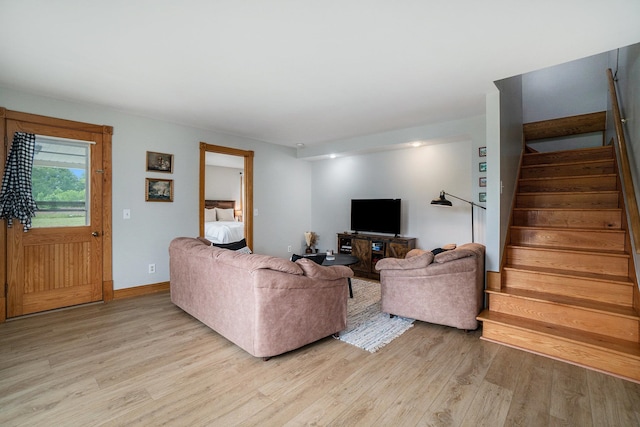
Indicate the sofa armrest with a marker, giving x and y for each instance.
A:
(327, 272)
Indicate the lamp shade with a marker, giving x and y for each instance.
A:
(441, 201)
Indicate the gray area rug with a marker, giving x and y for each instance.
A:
(367, 327)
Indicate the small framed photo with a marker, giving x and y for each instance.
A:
(159, 162)
(482, 197)
(482, 151)
(158, 190)
(483, 166)
(482, 181)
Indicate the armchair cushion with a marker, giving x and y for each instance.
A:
(415, 252)
(447, 256)
(409, 262)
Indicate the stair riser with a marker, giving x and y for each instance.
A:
(563, 315)
(593, 290)
(572, 352)
(576, 169)
(567, 156)
(607, 240)
(598, 263)
(601, 219)
(568, 201)
(595, 183)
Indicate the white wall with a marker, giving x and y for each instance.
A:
(510, 148)
(627, 64)
(629, 98)
(222, 183)
(384, 165)
(576, 87)
(493, 213)
(282, 197)
(569, 89)
(415, 175)
(281, 185)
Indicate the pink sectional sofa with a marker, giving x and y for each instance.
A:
(447, 289)
(265, 305)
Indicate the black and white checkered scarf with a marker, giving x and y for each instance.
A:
(16, 197)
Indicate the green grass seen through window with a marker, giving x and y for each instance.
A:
(58, 219)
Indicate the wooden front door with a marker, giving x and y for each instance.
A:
(58, 262)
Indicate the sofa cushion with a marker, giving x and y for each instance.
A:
(315, 271)
(415, 261)
(447, 256)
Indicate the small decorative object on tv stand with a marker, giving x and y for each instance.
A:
(310, 238)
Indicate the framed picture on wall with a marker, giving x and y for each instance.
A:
(159, 162)
(482, 181)
(158, 190)
(482, 197)
(483, 166)
(482, 151)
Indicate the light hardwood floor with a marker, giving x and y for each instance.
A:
(142, 361)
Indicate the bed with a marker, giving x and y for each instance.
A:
(220, 223)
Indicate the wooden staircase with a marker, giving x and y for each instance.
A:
(567, 286)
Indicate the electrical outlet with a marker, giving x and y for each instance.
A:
(289, 248)
(152, 268)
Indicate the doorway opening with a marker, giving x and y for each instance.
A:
(239, 209)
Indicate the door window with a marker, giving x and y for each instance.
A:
(59, 182)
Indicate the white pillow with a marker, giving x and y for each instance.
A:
(210, 215)
(225, 214)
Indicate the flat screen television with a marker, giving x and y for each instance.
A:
(376, 215)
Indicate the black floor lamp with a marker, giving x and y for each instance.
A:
(442, 201)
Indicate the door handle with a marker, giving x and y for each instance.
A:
(95, 234)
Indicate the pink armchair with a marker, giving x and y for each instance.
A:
(446, 289)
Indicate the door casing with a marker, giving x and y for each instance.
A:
(248, 176)
(65, 127)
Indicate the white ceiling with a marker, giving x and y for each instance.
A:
(297, 71)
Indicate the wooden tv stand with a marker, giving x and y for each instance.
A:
(370, 248)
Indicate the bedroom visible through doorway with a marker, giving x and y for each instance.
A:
(226, 194)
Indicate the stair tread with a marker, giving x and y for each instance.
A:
(569, 209)
(606, 150)
(594, 306)
(583, 230)
(620, 346)
(620, 280)
(564, 193)
(602, 252)
(571, 163)
(549, 178)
